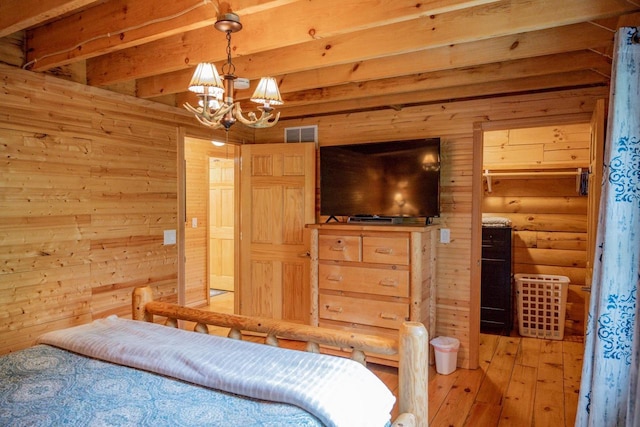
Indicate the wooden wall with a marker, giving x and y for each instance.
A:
(457, 314)
(548, 213)
(88, 184)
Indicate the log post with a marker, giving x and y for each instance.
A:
(312, 347)
(413, 372)
(359, 356)
(201, 328)
(235, 334)
(272, 340)
(141, 296)
(405, 420)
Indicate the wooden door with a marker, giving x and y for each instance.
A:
(277, 201)
(221, 223)
(595, 180)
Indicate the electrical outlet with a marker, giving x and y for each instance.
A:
(194, 222)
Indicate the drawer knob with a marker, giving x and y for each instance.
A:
(388, 316)
(334, 278)
(337, 248)
(384, 251)
(334, 309)
(388, 283)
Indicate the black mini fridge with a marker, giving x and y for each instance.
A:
(496, 285)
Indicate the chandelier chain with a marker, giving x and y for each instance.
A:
(229, 68)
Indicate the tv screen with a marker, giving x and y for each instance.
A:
(389, 179)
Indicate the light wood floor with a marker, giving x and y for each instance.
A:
(520, 382)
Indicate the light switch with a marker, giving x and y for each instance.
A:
(194, 222)
(169, 237)
(445, 235)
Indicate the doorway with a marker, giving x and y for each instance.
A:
(536, 179)
(196, 212)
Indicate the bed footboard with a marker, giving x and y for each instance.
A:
(412, 345)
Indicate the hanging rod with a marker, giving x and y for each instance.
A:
(534, 174)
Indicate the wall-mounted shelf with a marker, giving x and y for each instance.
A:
(488, 175)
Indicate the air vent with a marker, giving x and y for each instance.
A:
(301, 134)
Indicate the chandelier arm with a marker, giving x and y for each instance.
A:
(197, 111)
(202, 113)
(220, 112)
(204, 118)
(256, 122)
(208, 123)
(267, 123)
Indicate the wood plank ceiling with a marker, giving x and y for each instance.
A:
(329, 56)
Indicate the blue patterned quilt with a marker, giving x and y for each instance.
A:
(47, 386)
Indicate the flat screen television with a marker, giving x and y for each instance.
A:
(385, 179)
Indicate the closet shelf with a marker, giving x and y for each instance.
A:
(577, 172)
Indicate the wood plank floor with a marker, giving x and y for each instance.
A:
(521, 382)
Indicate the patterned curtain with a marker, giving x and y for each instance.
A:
(608, 391)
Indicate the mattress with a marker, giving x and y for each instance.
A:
(119, 372)
(48, 386)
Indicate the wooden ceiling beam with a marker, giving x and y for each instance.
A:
(17, 15)
(560, 81)
(489, 73)
(304, 22)
(120, 24)
(89, 34)
(537, 43)
(111, 26)
(630, 20)
(392, 91)
(511, 16)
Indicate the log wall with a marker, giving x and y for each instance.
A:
(457, 309)
(548, 214)
(88, 184)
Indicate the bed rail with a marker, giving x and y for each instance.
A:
(411, 346)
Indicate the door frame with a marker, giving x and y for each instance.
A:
(181, 167)
(182, 214)
(476, 207)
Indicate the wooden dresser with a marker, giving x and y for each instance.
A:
(371, 278)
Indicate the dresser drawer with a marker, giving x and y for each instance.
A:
(385, 250)
(339, 248)
(383, 314)
(379, 281)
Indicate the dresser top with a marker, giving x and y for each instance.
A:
(371, 227)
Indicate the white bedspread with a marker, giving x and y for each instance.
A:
(340, 392)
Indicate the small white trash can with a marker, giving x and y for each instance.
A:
(446, 352)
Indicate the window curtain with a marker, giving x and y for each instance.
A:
(608, 391)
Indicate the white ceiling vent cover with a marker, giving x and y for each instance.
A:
(301, 134)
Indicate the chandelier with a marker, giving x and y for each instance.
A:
(216, 106)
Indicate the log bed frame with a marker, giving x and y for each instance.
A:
(412, 345)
